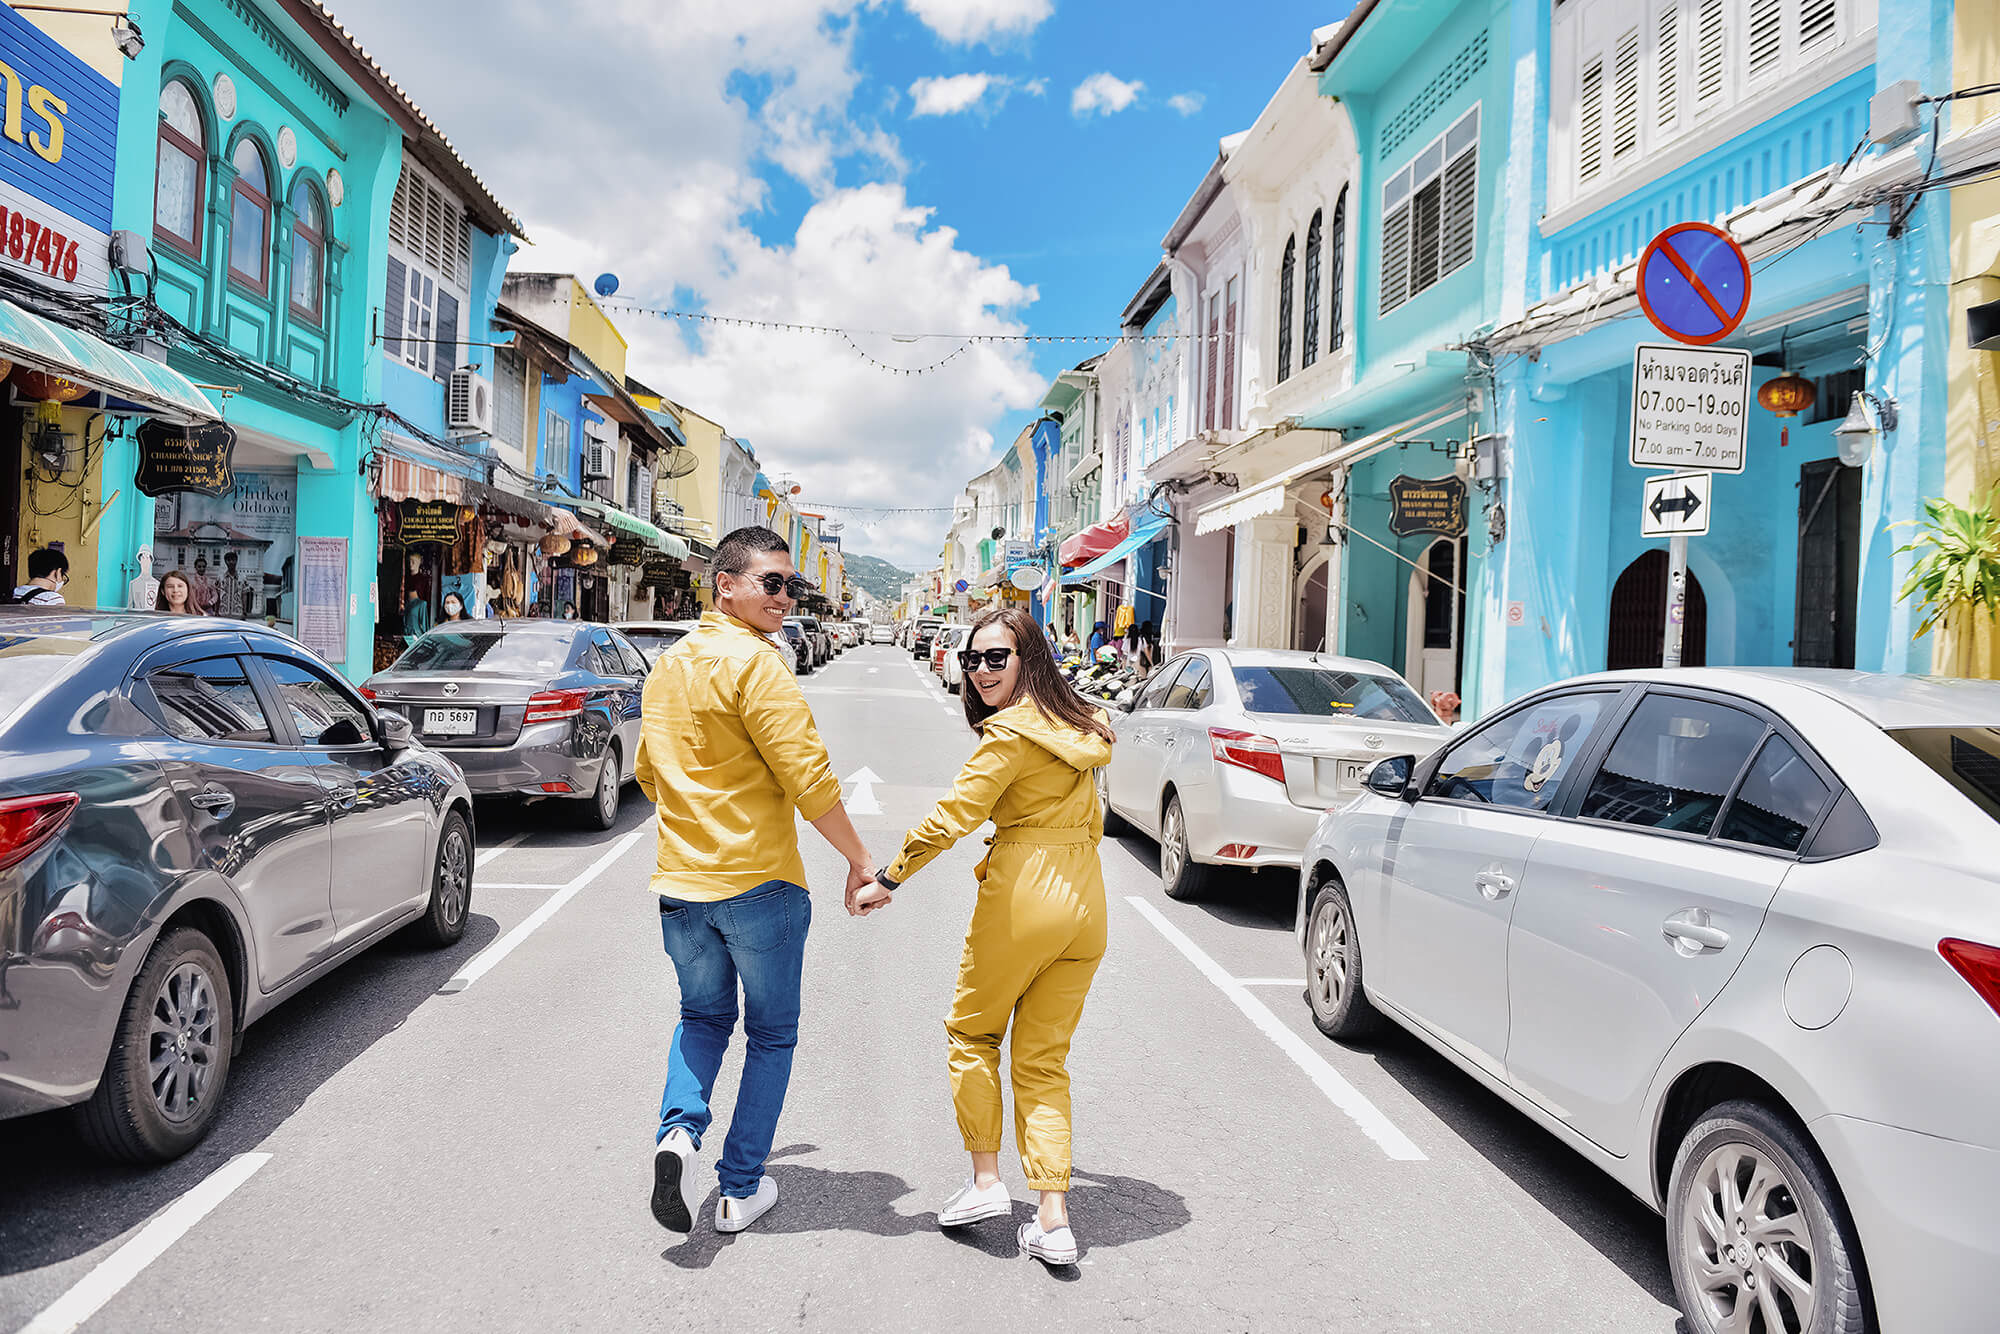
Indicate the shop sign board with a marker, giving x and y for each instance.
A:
(1427, 505)
(627, 549)
(1016, 551)
(657, 571)
(427, 521)
(184, 458)
(323, 596)
(58, 154)
(1690, 407)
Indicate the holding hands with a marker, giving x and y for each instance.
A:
(864, 893)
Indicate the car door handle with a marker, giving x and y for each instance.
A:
(343, 798)
(213, 799)
(1692, 933)
(1495, 885)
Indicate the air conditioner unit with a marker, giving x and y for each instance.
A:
(468, 402)
(597, 459)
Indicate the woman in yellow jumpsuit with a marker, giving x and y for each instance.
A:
(1038, 928)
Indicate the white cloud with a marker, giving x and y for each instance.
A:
(1035, 87)
(966, 21)
(660, 180)
(950, 94)
(1104, 94)
(1187, 103)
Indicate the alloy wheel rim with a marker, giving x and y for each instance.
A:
(1329, 957)
(607, 786)
(182, 1043)
(1171, 852)
(452, 878)
(1749, 1245)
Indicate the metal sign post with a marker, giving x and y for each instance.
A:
(1677, 578)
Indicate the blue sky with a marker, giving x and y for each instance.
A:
(770, 158)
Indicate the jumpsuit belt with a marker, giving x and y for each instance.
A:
(1044, 837)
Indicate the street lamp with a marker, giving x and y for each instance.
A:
(1854, 438)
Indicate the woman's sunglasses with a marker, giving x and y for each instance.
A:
(994, 658)
(794, 586)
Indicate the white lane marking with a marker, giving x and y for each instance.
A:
(126, 1263)
(502, 884)
(501, 948)
(1271, 982)
(862, 800)
(489, 854)
(1343, 1095)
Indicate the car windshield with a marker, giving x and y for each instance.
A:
(793, 630)
(1966, 757)
(1327, 692)
(487, 651)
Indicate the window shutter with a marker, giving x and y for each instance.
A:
(392, 310)
(1396, 259)
(1214, 354)
(399, 211)
(1767, 30)
(1426, 219)
(1228, 421)
(1668, 56)
(1818, 20)
(1336, 335)
(1309, 350)
(1590, 122)
(509, 395)
(447, 334)
(1710, 62)
(1285, 308)
(1461, 188)
(1625, 97)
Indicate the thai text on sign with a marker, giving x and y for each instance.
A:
(1434, 505)
(1690, 407)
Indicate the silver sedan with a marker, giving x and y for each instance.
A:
(1733, 936)
(1228, 756)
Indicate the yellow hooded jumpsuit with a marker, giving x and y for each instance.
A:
(1037, 932)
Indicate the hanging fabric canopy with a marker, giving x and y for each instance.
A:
(1148, 527)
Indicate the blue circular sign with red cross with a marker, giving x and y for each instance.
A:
(1694, 283)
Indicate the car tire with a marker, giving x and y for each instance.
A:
(600, 810)
(1340, 1007)
(1115, 825)
(1181, 876)
(181, 1002)
(443, 922)
(1745, 1143)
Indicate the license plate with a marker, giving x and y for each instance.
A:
(451, 722)
(1351, 771)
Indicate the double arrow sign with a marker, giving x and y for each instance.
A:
(1675, 505)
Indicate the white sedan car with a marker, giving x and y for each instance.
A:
(1734, 937)
(1228, 756)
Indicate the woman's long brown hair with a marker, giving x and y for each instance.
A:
(160, 602)
(1039, 679)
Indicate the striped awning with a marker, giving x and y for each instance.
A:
(43, 344)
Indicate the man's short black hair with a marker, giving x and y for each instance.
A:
(735, 552)
(43, 563)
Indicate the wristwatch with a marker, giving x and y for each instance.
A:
(882, 879)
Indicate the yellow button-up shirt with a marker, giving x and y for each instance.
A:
(727, 751)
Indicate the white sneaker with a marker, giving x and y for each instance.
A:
(674, 1191)
(733, 1215)
(1051, 1248)
(975, 1204)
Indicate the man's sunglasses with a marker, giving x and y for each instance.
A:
(794, 586)
(995, 658)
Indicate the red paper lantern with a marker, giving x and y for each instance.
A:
(1787, 396)
(44, 387)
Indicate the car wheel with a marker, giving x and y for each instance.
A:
(451, 886)
(1333, 967)
(1114, 823)
(162, 1084)
(1757, 1231)
(601, 810)
(1181, 876)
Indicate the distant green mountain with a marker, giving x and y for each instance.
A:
(878, 576)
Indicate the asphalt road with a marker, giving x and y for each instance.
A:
(462, 1140)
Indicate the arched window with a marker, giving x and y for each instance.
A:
(250, 220)
(1336, 334)
(308, 253)
(183, 164)
(1285, 308)
(1309, 349)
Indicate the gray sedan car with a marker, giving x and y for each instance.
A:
(198, 818)
(525, 707)
(1734, 937)
(1228, 756)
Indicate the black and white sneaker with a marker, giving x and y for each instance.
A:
(674, 1191)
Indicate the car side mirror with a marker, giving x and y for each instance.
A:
(397, 734)
(1391, 777)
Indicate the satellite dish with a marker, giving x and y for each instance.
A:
(1028, 578)
(606, 284)
(680, 463)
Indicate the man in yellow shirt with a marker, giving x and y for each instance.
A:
(727, 752)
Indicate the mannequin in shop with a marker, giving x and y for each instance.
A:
(143, 592)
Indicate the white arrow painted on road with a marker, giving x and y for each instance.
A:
(861, 800)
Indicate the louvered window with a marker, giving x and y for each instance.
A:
(1711, 63)
(1336, 332)
(1590, 123)
(1309, 348)
(1767, 33)
(1666, 58)
(510, 396)
(431, 237)
(1214, 354)
(1625, 97)
(1430, 213)
(1285, 309)
(1228, 418)
(1817, 22)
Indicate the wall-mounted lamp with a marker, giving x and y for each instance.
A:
(1867, 415)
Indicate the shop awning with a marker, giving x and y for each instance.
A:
(1268, 497)
(1095, 540)
(412, 470)
(660, 540)
(1145, 528)
(45, 345)
(566, 524)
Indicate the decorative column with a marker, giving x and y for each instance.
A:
(1263, 592)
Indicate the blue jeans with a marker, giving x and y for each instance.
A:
(760, 937)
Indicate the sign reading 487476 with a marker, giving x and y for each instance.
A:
(1689, 407)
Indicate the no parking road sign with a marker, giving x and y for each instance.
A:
(1694, 283)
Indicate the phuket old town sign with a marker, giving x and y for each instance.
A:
(185, 458)
(1427, 505)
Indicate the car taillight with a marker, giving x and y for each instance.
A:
(1247, 750)
(368, 694)
(26, 823)
(552, 706)
(1977, 964)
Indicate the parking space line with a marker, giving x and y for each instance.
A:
(504, 884)
(501, 948)
(488, 854)
(1365, 1114)
(109, 1278)
(1271, 982)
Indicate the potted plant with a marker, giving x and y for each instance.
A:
(1956, 579)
